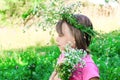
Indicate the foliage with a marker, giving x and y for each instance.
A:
(107, 1)
(29, 64)
(106, 53)
(37, 63)
(106, 43)
(26, 14)
(50, 14)
(14, 7)
(13, 10)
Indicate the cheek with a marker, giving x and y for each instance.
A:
(63, 42)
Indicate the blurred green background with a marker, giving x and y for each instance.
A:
(28, 48)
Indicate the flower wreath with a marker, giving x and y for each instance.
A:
(70, 18)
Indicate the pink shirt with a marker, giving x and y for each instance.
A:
(90, 70)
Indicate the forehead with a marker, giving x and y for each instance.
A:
(65, 28)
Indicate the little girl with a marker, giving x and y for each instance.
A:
(68, 33)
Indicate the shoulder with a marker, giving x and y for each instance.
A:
(90, 70)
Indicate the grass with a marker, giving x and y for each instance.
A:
(28, 64)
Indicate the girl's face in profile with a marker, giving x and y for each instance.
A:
(65, 38)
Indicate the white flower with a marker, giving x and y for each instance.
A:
(73, 57)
